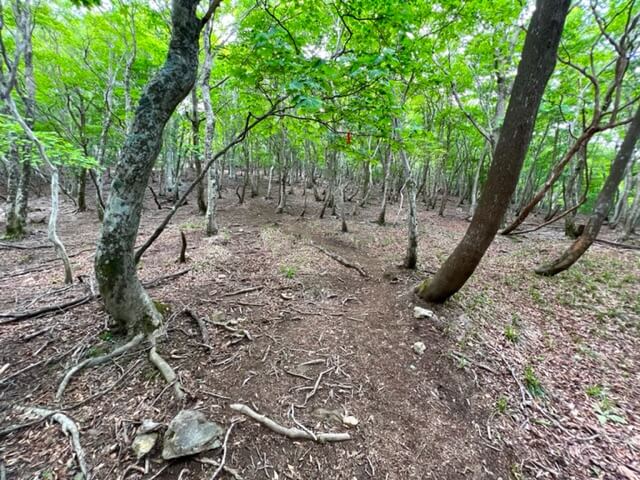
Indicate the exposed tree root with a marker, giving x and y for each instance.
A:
(92, 362)
(69, 427)
(165, 369)
(293, 433)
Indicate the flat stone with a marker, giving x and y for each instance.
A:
(419, 348)
(143, 444)
(190, 433)
(419, 312)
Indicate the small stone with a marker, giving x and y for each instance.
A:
(143, 444)
(350, 420)
(419, 312)
(412, 367)
(190, 433)
(149, 426)
(419, 348)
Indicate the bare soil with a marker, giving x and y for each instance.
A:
(522, 377)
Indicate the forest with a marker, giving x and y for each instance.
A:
(332, 239)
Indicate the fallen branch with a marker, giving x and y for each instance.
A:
(63, 307)
(342, 261)
(244, 290)
(293, 433)
(625, 246)
(69, 427)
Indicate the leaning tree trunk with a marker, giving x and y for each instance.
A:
(536, 65)
(603, 204)
(123, 295)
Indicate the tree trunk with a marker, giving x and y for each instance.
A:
(536, 65)
(572, 192)
(81, 195)
(386, 166)
(411, 256)
(209, 129)
(195, 153)
(603, 204)
(124, 297)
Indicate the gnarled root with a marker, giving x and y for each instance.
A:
(92, 362)
(69, 427)
(165, 369)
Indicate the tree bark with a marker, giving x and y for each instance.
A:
(124, 297)
(209, 127)
(536, 65)
(603, 204)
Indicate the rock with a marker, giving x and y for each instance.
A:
(419, 312)
(419, 348)
(190, 433)
(350, 420)
(143, 444)
(149, 426)
(37, 217)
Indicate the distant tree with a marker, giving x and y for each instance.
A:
(603, 204)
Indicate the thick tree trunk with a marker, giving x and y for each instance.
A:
(124, 297)
(603, 203)
(536, 65)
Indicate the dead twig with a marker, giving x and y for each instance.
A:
(224, 452)
(244, 290)
(292, 433)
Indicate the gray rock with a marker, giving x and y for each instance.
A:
(149, 426)
(143, 444)
(419, 312)
(190, 433)
(419, 348)
(37, 217)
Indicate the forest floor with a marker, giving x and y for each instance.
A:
(522, 376)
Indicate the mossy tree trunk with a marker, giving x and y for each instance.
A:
(124, 297)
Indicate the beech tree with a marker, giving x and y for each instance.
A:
(536, 66)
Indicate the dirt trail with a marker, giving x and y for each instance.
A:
(419, 416)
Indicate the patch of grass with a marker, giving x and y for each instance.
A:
(106, 336)
(512, 330)
(288, 271)
(502, 404)
(192, 226)
(511, 334)
(532, 382)
(595, 391)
